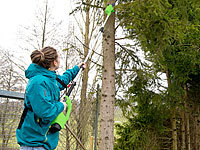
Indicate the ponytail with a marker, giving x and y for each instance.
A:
(44, 57)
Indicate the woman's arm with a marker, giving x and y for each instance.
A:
(69, 75)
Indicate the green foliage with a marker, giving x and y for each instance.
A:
(127, 61)
(146, 112)
(168, 32)
(132, 138)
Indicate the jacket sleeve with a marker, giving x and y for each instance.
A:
(42, 104)
(67, 76)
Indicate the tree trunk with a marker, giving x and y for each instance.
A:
(83, 105)
(173, 118)
(174, 130)
(108, 86)
(187, 120)
(182, 130)
(44, 25)
(183, 134)
(198, 128)
(188, 131)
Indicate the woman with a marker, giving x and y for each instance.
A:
(42, 100)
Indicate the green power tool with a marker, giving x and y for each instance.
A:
(62, 118)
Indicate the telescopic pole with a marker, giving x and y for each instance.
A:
(73, 82)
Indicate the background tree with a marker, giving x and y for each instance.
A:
(10, 80)
(87, 15)
(45, 31)
(165, 32)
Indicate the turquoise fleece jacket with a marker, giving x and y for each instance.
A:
(42, 94)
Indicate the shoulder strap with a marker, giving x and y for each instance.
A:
(24, 115)
(61, 82)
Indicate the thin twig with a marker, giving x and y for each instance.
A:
(75, 136)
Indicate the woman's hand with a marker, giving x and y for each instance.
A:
(65, 107)
(82, 65)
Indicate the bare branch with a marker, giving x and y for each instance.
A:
(94, 6)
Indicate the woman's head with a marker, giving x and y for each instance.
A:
(46, 57)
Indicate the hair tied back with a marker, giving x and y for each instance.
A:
(42, 56)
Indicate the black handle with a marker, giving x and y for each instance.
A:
(101, 29)
(73, 84)
(82, 66)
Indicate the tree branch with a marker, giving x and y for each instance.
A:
(90, 5)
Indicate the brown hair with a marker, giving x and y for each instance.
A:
(44, 57)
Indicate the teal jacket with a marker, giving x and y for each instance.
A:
(42, 94)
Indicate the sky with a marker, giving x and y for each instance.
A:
(16, 13)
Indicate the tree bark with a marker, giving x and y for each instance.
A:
(198, 128)
(174, 130)
(182, 130)
(173, 118)
(187, 120)
(44, 25)
(83, 105)
(188, 131)
(108, 86)
(183, 134)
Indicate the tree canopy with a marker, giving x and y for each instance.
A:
(168, 33)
